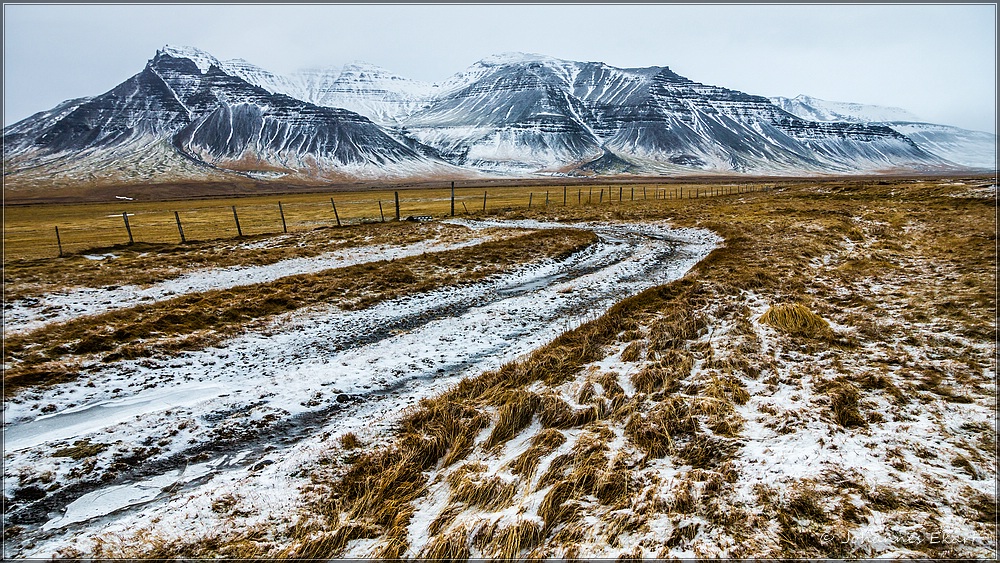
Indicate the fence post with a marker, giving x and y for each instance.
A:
(452, 199)
(180, 229)
(59, 242)
(620, 189)
(602, 196)
(380, 213)
(396, 194)
(590, 196)
(644, 192)
(239, 231)
(335, 214)
(127, 227)
(284, 226)
(484, 202)
(530, 194)
(564, 196)
(633, 193)
(546, 198)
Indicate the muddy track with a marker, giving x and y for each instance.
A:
(320, 374)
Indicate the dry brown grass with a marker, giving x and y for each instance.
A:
(797, 320)
(469, 485)
(544, 443)
(197, 320)
(509, 542)
(776, 246)
(147, 263)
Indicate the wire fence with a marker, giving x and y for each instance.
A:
(56, 230)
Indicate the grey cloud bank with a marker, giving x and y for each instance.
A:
(936, 61)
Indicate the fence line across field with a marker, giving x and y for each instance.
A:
(203, 222)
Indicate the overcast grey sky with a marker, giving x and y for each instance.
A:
(936, 61)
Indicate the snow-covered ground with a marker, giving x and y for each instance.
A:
(243, 419)
(32, 313)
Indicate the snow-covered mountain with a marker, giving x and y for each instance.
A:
(202, 114)
(975, 149)
(815, 109)
(190, 115)
(531, 112)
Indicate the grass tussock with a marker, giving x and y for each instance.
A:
(544, 443)
(453, 546)
(656, 431)
(665, 373)
(80, 449)
(557, 413)
(471, 486)
(797, 320)
(513, 416)
(350, 441)
(509, 542)
(844, 402)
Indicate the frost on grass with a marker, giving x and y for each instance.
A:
(821, 386)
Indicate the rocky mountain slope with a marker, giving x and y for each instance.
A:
(975, 149)
(188, 115)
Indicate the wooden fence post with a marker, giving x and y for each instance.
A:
(530, 194)
(644, 192)
(180, 229)
(602, 196)
(633, 193)
(335, 214)
(546, 198)
(484, 202)
(452, 199)
(59, 242)
(396, 194)
(284, 226)
(239, 231)
(564, 196)
(127, 227)
(590, 196)
(380, 213)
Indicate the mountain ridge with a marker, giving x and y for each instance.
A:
(511, 114)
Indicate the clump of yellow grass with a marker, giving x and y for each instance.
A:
(797, 320)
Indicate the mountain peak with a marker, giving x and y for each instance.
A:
(203, 59)
(514, 57)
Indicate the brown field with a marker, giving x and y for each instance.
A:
(841, 317)
(30, 230)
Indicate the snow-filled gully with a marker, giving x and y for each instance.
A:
(261, 404)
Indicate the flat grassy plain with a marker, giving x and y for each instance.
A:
(30, 230)
(822, 385)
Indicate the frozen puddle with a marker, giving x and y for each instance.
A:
(34, 312)
(326, 370)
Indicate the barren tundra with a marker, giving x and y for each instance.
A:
(808, 371)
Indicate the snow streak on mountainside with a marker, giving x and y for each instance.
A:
(189, 115)
(974, 149)
(815, 109)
